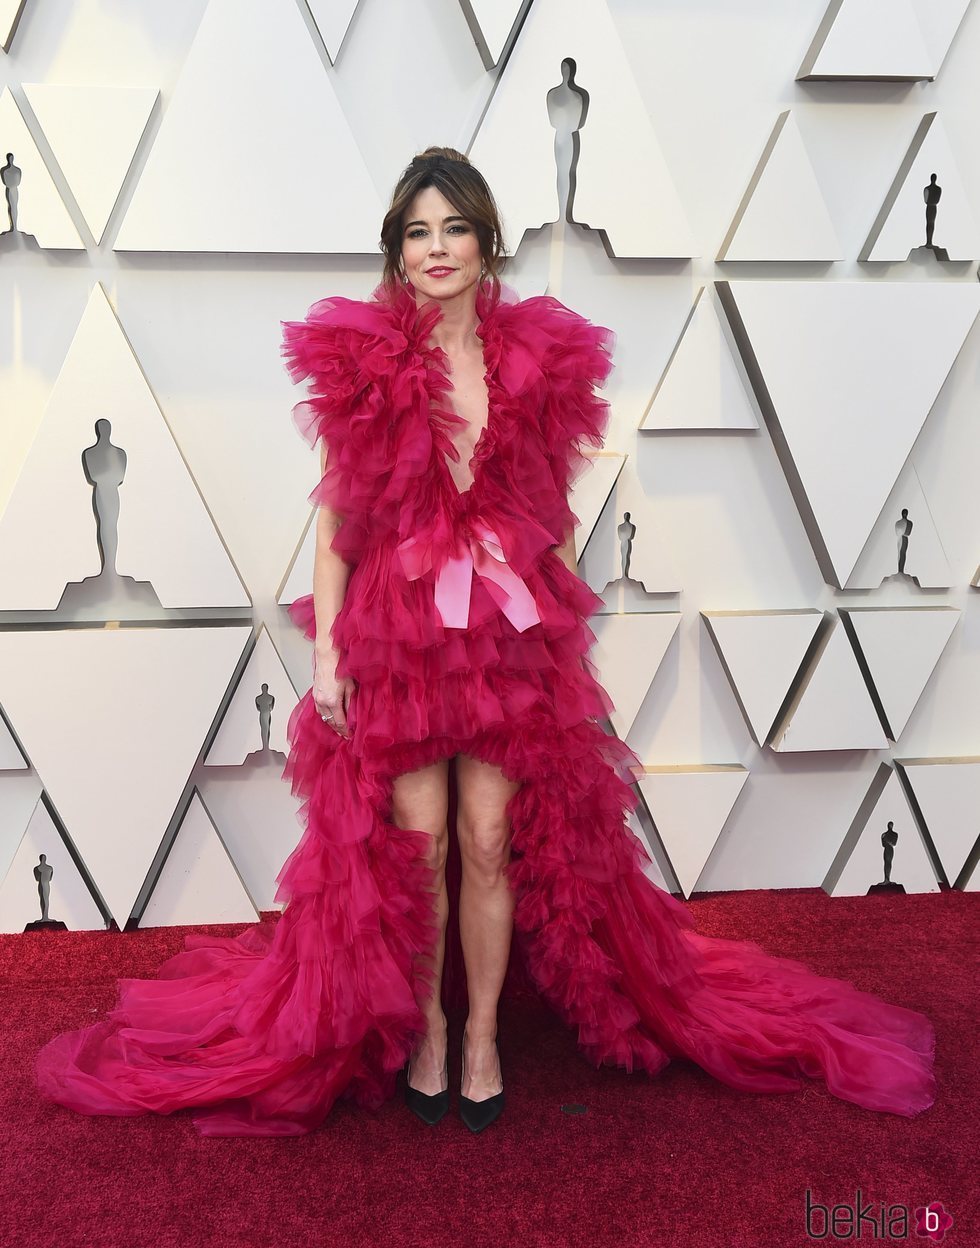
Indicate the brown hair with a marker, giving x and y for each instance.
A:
(451, 173)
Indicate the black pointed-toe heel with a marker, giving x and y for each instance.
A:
(480, 1114)
(429, 1106)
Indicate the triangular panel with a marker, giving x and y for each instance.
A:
(133, 708)
(650, 220)
(94, 132)
(298, 581)
(947, 791)
(701, 387)
(783, 215)
(690, 806)
(493, 24)
(69, 900)
(10, 12)
(332, 19)
(253, 147)
(19, 795)
(40, 213)
(845, 374)
(833, 709)
(628, 652)
(853, 873)
(879, 40)
(929, 171)
(883, 40)
(634, 556)
(198, 882)
(261, 703)
(900, 647)
(762, 652)
(904, 543)
(11, 758)
(48, 534)
(939, 20)
(590, 493)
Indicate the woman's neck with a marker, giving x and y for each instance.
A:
(455, 329)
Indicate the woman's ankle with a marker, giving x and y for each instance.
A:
(477, 1031)
(437, 1026)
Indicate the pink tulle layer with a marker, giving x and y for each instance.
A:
(261, 1033)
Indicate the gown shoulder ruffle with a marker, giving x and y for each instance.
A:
(259, 1034)
(368, 370)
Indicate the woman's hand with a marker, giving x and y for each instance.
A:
(331, 696)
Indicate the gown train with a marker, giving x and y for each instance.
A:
(260, 1034)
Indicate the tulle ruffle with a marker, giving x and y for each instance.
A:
(261, 1033)
(377, 398)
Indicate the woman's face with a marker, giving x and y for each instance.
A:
(435, 237)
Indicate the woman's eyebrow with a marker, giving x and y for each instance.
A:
(444, 220)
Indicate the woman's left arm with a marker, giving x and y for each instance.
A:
(566, 552)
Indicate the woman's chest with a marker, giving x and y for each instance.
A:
(468, 399)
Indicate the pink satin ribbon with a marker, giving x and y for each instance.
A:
(480, 552)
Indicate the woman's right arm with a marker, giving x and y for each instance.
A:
(330, 577)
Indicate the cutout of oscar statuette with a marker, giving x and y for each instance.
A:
(104, 466)
(903, 533)
(11, 236)
(924, 562)
(897, 233)
(626, 532)
(568, 107)
(264, 704)
(889, 839)
(11, 176)
(931, 194)
(526, 188)
(903, 530)
(44, 873)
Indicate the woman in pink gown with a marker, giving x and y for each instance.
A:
(462, 632)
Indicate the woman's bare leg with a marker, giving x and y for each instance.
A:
(486, 913)
(420, 799)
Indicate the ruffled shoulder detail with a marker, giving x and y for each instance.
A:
(342, 345)
(373, 388)
(363, 401)
(559, 357)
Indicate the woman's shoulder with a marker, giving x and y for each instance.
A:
(343, 342)
(566, 346)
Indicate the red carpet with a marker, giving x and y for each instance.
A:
(679, 1159)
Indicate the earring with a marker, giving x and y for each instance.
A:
(404, 278)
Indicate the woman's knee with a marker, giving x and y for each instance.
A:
(438, 850)
(484, 843)
(420, 800)
(482, 823)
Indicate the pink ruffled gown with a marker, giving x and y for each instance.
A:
(463, 629)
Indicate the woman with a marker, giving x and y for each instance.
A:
(449, 625)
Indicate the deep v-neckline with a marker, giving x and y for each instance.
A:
(475, 461)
